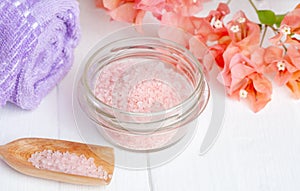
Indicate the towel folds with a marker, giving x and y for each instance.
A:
(37, 41)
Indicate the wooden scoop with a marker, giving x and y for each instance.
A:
(17, 153)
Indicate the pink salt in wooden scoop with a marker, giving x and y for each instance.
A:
(60, 160)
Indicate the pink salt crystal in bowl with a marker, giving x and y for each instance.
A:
(143, 92)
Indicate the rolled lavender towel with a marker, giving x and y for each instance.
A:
(37, 40)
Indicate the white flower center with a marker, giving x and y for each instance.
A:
(218, 24)
(243, 93)
(241, 20)
(195, 1)
(281, 66)
(235, 28)
(286, 30)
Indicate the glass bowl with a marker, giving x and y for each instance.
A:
(143, 92)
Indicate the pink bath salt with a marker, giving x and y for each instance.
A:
(141, 86)
(68, 163)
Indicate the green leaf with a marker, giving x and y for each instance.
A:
(279, 18)
(266, 17)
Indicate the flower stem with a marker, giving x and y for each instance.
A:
(284, 47)
(264, 35)
(228, 2)
(252, 4)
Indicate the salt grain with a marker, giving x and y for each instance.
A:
(69, 163)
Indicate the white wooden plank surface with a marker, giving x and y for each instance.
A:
(15, 123)
(250, 154)
(254, 151)
(95, 24)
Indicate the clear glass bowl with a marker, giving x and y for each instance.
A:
(142, 92)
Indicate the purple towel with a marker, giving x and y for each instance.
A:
(37, 40)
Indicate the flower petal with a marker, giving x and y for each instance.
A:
(261, 84)
(99, 4)
(217, 51)
(294, 84)
(239, 71)
(273, 53)
(124, 12)
(139, 17)
(111, 4)
(282, 78)
(292, 20)
(258, 58)
(153, 6)
(261, 94)
(294, 54)
(223, 8)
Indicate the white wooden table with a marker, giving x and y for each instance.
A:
(253, 152)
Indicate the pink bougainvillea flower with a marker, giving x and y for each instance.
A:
(291, 21)
(283, 36)
(289, 26)
(278, 63)
(294, 84)
(215, 19)
(239, 68)
(244, 39)
(208, 29)
(213, 31)
(211, 28)
(244, 33)
(259, 91)
(243, 82)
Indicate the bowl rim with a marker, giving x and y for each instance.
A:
(88, 62)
